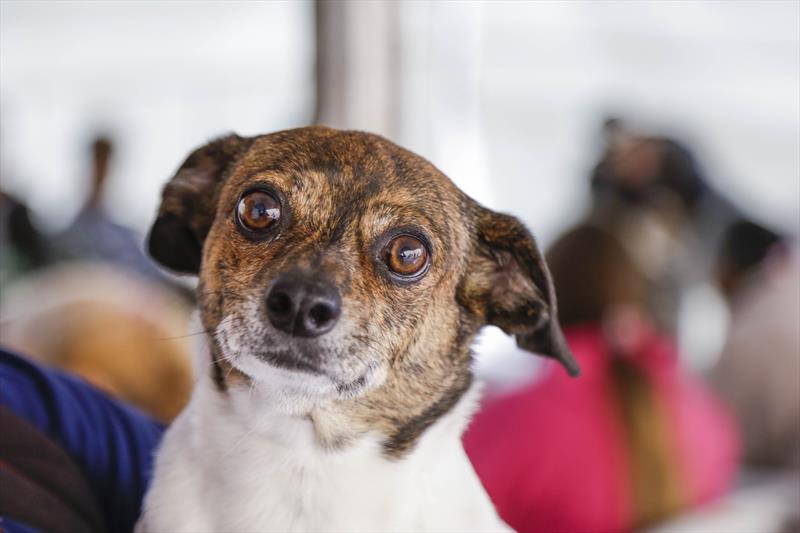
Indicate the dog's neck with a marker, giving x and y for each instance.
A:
(255, 410)
(256, 451)
(396, 404)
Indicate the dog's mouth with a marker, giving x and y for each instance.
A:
(301, 368)
(292, 360)
(302, 363)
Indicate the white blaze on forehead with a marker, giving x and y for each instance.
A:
(378, 220)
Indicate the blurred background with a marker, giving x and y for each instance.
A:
(673, 127)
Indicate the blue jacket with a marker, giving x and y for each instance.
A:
(112, 443)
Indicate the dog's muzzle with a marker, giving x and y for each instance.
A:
(303, 306)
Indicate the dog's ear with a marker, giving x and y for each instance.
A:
(509, 286)
(188, 204)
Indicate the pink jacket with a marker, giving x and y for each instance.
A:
(552, 455)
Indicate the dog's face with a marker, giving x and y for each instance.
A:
(349, 273)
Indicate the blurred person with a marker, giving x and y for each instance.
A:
(758, 372)
(634, 441)
(124, 334)
(102, 309)
(651, 192)
(745, 250)
(638, 168)
(23, 249)
(94, 235)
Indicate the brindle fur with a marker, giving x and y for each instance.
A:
(342, 192)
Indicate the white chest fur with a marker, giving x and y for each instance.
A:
(225, 466)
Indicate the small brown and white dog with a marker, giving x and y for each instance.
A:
(342, 280)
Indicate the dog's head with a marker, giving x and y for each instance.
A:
(349, 273)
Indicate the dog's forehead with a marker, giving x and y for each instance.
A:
(345, 175)
(349, 161)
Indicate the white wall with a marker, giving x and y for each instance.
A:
(723, 75)
(162, 77)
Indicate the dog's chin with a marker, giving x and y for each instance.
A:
(291, 377)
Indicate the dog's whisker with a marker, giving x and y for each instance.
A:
(228, 357)
(176, 337)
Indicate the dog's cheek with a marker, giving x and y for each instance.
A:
(215, 272)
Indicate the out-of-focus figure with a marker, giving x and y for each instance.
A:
(94, 235)
(101, 308)
(759, 370)
(633, 441)
(23, 249)
(651, 193)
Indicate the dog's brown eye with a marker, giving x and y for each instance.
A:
(258, 211)
(406, 255)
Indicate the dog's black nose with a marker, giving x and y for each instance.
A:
(303, 306)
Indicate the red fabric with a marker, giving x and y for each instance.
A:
(552, 454)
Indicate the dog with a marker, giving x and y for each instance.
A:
(342, 280)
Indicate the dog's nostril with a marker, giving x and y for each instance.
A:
(320, 314)
(279, 303)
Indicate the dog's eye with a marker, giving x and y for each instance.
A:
(258, 211)
(406, 255)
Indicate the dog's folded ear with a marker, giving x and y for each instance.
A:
(508, 283)
(188, 204)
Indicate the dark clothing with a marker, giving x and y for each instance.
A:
(40, 485)
(111, 444)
